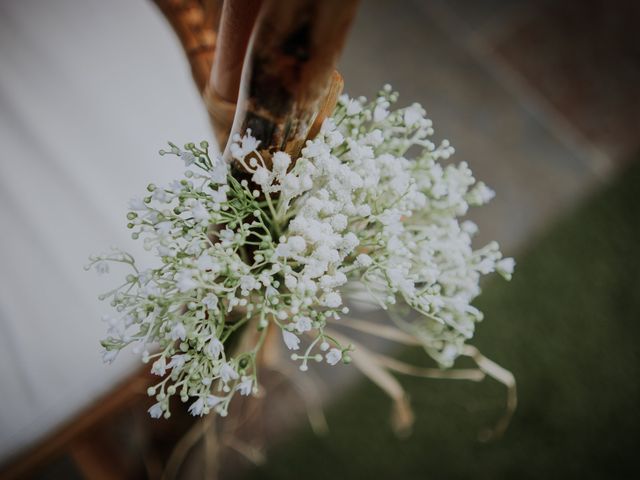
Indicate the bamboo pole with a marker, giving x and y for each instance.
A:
(289, 69)
(236, 24)
(290, 80)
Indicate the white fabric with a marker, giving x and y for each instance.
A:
(89, 91)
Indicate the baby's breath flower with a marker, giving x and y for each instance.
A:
(333, 356)
(291, 340)
(276, 252)
(156, 410)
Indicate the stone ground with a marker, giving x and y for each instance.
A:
(540, 99)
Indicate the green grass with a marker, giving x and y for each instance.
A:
(567, 326)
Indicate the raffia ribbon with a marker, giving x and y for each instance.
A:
(377, 368)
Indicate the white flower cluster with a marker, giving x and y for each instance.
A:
(276, 250)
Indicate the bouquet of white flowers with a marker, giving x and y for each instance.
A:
(271, 242)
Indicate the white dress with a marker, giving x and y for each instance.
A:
(89, 91)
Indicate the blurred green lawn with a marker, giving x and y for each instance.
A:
(567, 326)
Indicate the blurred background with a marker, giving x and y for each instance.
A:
(541, 98)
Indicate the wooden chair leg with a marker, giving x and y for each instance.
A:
(61, 440)
(96, 458)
